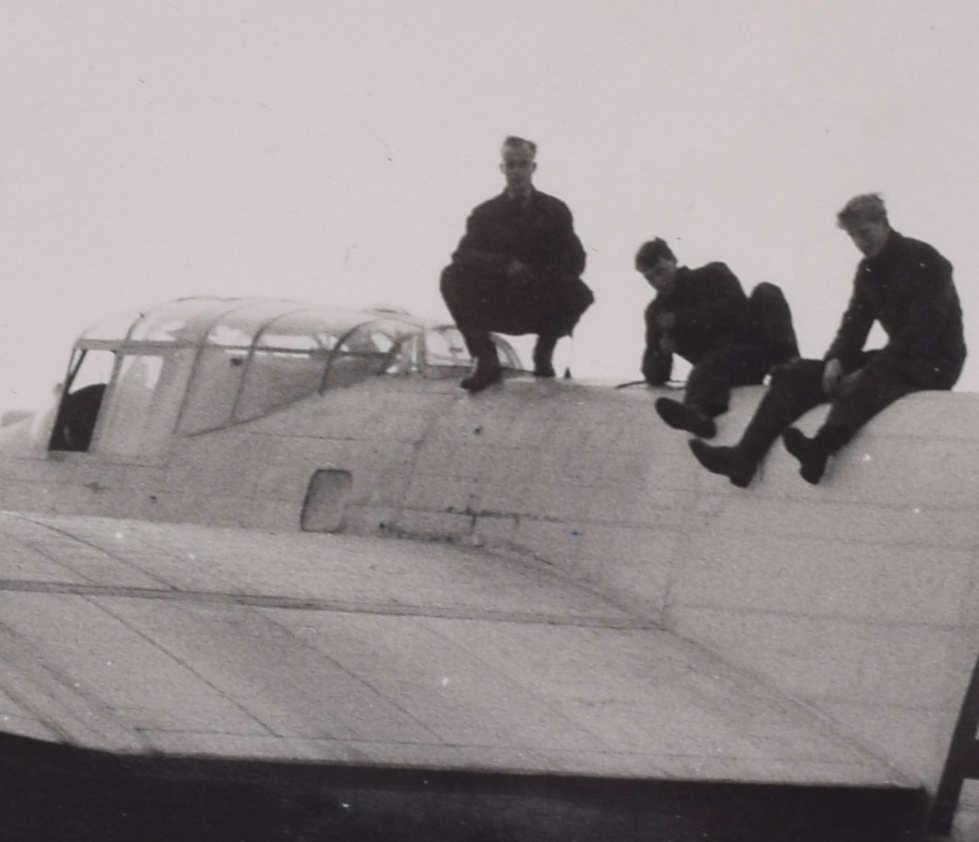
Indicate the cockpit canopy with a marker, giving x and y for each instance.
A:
(198, 364)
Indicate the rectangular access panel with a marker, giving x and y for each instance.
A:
(326, 499)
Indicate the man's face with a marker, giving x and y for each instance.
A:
(661, 275)
(869, 237)
(518, 166)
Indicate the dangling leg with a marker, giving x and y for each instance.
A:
(794, 389)
(708, 391)
(707, 394)
(877, 385)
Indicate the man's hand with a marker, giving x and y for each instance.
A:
(832, 377)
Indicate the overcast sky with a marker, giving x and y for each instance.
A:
(330, 151)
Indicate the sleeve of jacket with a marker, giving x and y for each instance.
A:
(657, 365)
(930, 306)
(855, 324)
(478, 250)
(568, 254)
(720, 308)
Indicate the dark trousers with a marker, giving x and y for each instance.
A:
(744, 362)
(797, 387)
(718, 371)
(549, 304)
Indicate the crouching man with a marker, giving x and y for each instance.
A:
(904, 284)
(704, 316)
(516, 270)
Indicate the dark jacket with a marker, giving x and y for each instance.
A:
(538, 231)
(908, 288)
(711, 312)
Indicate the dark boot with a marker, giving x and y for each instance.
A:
(813, 453)
(728, 461)
(488, 369)
(810, 452)
(543, 355)
(487, 372)
(683, 417)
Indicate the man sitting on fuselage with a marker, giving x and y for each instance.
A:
(907, 286)
(704, 316)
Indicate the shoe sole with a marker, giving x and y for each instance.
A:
(677, 416)
(479, 386)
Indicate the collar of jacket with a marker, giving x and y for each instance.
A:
(679, 278)
(524, 198)
(891, 247)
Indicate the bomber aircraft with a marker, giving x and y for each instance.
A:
(203, 561)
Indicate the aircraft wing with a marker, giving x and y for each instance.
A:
(141, 637)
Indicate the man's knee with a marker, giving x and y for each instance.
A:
(578, 297)
(461, 293)
(772, 320)
(563, 311)
(449, 281)
(768, 301)
(766, 292)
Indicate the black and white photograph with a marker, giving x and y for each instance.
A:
(517, 421)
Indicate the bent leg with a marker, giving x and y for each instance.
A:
(544, 355)
(795, 388)
(771, 322)
(877, 385)
(706, 395)
(708, 391)
(458, 292)
(561, 301)
(464, 296)
(711, 380)
(709, 384)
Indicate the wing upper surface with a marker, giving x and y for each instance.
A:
(136, 636)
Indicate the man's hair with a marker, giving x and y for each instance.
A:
(651, 251)
(515, 142)
(867, 207)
